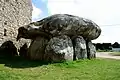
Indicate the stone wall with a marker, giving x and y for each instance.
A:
(13, 14)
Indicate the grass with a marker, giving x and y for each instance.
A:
(96, 69)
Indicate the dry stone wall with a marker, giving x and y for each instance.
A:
(14, 14)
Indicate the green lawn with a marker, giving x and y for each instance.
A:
(98, 69)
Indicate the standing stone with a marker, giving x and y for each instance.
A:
(80, 51)
(91, 50)
(59, 49)
(23, 51)
(37, 48)
(13, 14)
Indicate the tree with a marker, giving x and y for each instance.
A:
(116, 45)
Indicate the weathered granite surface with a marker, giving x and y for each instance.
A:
(61, 24)
(80, 49)
(91, 50)
(36, 50)
(59, 48)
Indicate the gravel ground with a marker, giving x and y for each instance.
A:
(106, 55)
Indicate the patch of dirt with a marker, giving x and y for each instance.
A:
(106, 55)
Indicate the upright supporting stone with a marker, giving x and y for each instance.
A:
(80, 51)
(37, 48)
(91, 50)
(59, 49)
(23, 51)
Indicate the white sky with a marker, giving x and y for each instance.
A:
(102, 12)
(36, 13)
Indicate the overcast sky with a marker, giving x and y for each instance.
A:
(105, 13)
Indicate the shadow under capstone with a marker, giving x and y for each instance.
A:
(8, 49)
(9, 56)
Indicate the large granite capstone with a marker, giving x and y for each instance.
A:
(60, 24)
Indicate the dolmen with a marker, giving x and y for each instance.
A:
(60, 37)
